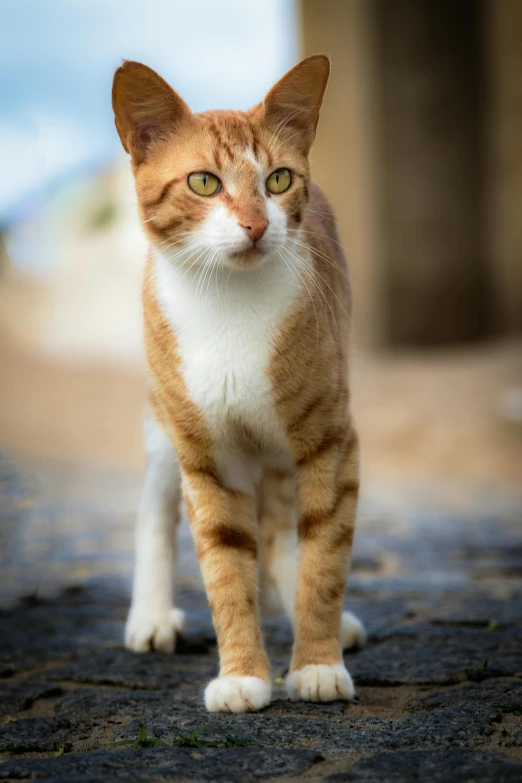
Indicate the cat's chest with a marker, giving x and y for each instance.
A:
(225, 361)
(225, 339)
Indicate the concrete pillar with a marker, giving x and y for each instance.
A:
(503, 30)
(431, 92)
(345, 154)
(400, 152)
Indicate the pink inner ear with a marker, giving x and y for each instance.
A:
(144, 134)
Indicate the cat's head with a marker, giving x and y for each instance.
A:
(229, 186)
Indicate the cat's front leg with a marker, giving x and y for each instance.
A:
(224, 527)
(279, 547)
(153, 621)
(328, 489)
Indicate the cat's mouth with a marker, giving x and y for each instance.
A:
(241, 259)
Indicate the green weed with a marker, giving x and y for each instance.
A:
(142, 741)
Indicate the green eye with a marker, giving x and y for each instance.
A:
(203, 183)
(279, 181)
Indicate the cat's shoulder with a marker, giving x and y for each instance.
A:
(319, 213)
(319, 199)
(320, 224)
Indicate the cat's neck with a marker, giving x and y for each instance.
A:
(261, 289)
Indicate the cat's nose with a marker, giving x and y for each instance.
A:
(255, 228)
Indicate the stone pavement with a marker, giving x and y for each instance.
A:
(439, 683)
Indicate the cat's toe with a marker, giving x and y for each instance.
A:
(237, 694)
(353, 632)
(148, 629)
(320, 682)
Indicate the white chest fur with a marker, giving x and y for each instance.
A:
(225, 329)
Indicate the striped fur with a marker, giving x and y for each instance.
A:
(246, 340)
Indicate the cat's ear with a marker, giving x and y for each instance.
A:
(295, 100)
(146, 108)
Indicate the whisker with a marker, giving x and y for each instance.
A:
(320, 276)
(324, 299)
(162, 247)
(173, 240)
(192, 265)
(181, 253)
(318, 234)
(213, 267)
(321, 255)
(201, 283)
(301, 280)
(330, 215)
(298, 232)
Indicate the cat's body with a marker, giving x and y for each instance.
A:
(246, 310)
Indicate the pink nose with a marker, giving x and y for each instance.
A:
(256, 228)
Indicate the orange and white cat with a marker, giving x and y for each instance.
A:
(246, 314)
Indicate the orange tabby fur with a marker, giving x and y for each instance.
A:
(307, 371)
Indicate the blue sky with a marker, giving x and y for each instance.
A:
(57, 58)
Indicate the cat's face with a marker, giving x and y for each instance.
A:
(221, 187)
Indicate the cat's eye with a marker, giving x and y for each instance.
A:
(203, 183)
(279, 181)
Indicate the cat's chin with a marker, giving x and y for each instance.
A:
(246, 259)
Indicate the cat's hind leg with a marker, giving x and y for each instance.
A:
(153, 620)
(278, 539)
(353, 632)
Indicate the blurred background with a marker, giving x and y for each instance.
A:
(419, 149)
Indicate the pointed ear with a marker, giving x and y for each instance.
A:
(146, 108)
(294, 102)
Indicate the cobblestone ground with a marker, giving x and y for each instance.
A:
(439, 682)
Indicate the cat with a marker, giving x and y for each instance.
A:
(246, 303)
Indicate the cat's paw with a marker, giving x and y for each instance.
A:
(353, 632)
(320, 682)
(148, 629)
(237, 694)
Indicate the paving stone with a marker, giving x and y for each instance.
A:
(90, 620)
(55, 629)
(15, 697)
(128, 670)
(481, 610)
(281, 705)
(36, 735)
(453, 766)
(446, 727)
(514, 741)
(423, 653)
(114, 705)
(99, 779)
(165, 764)
(493, 693)
(183, 704)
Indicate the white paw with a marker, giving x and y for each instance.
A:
(237, 694)
(319, 682)
(148, 629)
(353, 632)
